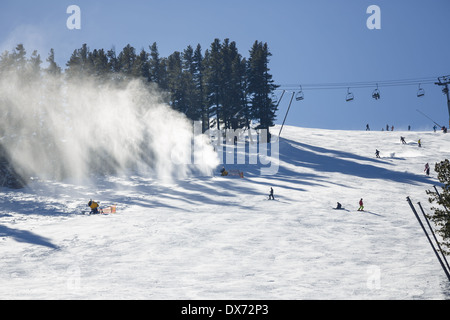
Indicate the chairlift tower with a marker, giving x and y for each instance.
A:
(444, 82)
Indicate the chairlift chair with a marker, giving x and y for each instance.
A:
(376, 93)
(299, 96)
(349, 96)
(420, 92)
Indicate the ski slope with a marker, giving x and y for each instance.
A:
(220, 238)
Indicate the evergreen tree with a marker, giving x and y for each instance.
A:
(261, 87)
(113, 63)
(191, 92)
(158, 68)
(175, 79)
(441, 215)
(181, 84)
(53, 67)
(214, 81)
(5, 62)
(127, 58)
(234, 89)
(78, 64)
(198, 78)
(141, 68)
(98, 60)
(35, 64)
(18, 58)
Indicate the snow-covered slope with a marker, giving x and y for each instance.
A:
(220, 238)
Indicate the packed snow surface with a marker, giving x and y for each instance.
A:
(220, 238)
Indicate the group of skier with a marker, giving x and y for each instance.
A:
(403, 141)
(338, 206)
(361, 206)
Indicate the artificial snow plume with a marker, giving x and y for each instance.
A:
(57, 128)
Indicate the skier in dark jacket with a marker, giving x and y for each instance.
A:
(271, 194)
(427, 169)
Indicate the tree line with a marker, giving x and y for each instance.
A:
(219, 86)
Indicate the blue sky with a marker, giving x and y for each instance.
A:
(312, 42)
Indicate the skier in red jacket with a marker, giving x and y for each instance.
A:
(361, 205)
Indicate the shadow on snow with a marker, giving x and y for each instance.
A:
(26, 236)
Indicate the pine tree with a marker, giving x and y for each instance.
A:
(79, 64)
(190, 90)
(214, 80)
(158, 68)
(113, 63)
(127, 58)
(35, 64)
(175, 76)
(99, 64)
(261, 87)
(18, 58)
(141, 68)
(198, 77)
(441, 215)
(235, 89)
(53, 67)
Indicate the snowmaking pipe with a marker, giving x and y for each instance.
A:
(428, 237)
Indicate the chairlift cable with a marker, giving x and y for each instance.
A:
(361, 84)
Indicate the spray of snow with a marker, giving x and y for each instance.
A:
(71, 128)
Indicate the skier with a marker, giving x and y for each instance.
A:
(271, 194)
(377, 153)
(338, 206)
(94, 206)
(367, 127)
(427, 169)
(420, 143)
(361, 205)
(402, 139)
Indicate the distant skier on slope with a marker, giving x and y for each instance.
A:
(361, 205)
(427, 169)
(271, 194)
(402, 140)
(338, 206)
(377, 153)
